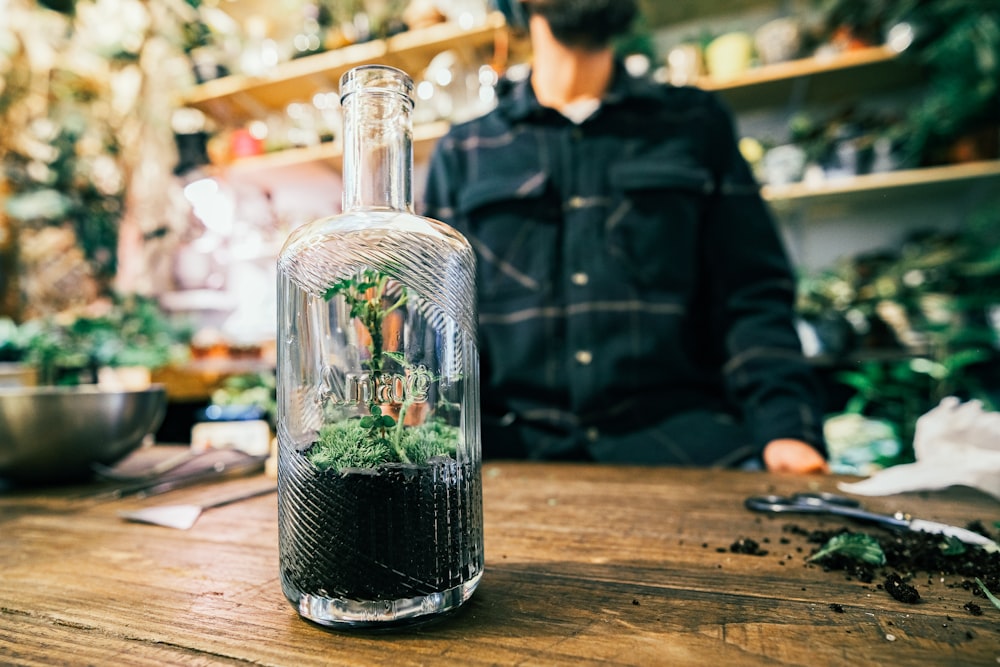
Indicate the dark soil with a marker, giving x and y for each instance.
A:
(901, 590)
(396, 531)
(745, 545)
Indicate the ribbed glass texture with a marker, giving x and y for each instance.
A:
(377, 352)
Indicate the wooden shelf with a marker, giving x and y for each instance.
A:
(883, 188)
(863, 69)
(264, 168)
(816, 80)
(238, 98)
(858, 190)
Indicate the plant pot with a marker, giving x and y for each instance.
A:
(16, 374)
(975, 145)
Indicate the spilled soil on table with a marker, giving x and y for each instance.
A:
(914, 561)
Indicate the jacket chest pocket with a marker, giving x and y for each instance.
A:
(653, 225)
(513, 225)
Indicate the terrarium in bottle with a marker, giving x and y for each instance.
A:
(380, 502)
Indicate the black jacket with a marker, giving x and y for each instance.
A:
(628, 271)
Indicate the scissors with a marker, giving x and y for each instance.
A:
(830, 503)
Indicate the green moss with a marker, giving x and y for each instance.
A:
(434, 438)
(347, 444)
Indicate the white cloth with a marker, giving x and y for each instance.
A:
(954, 444)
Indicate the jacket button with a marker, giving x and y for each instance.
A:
(580, 278)
(583, 357)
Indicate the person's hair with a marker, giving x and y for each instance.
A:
(586, 24)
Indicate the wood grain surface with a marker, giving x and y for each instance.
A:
(584, 565)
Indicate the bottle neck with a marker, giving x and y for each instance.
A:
(378, 151)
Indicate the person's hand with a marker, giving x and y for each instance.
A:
(795, 456)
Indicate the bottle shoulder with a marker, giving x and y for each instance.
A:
(375, 223)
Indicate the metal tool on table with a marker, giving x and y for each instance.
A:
(183, 517)
(154, 472)
(144, 485)
(830, 503)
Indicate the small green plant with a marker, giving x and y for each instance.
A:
(366, 295)
(854, 546)
(989, 595)
(379, 437)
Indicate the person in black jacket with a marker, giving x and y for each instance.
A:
(635, 299)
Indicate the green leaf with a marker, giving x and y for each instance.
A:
(855, 380)
(855, 546)
(992, 598)
(336, 288)
(388, 421)
(964, 358)
(952, 546)
(398, 357)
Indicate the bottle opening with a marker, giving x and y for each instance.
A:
(376, 79)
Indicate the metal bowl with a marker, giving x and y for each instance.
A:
(54, 434)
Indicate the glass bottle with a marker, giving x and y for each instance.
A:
(380, 497)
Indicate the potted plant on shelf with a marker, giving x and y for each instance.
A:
(853, 24)
(934, 297)
(957, 42)
(957, 45)
(113, 334)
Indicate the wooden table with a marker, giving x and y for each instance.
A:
(584, 565)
